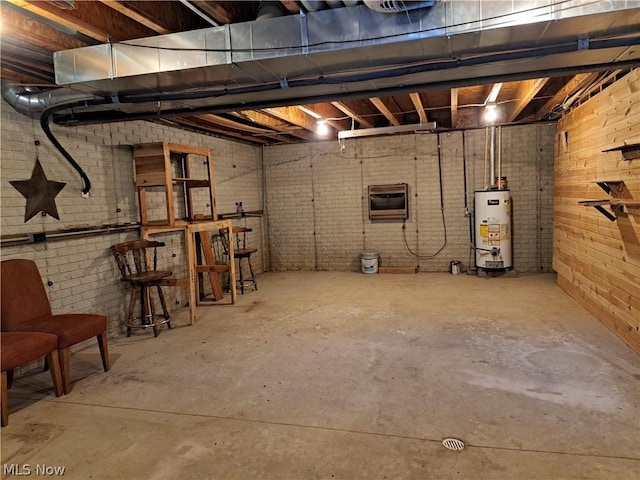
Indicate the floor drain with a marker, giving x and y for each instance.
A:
(453, 444)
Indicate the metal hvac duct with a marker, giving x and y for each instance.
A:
(348, 52)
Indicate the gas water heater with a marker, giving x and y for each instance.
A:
(493, 229)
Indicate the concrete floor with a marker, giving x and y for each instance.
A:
(344, 375)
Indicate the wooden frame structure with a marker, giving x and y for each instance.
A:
(155, 165)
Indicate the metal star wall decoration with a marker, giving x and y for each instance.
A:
(39, 192)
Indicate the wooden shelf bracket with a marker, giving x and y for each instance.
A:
(629, 152)
(614, 188)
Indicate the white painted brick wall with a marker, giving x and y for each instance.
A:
(82, 270)
(316, 199)
(314, 196)
(290, 211)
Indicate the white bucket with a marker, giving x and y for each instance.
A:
(369, 262)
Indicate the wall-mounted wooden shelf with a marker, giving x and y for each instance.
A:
(614, 188)
(630, 151)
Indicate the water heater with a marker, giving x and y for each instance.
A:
(493, 229)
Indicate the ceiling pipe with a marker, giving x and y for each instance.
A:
(35, 103)
(313, 5)
(32, 101)
(267, 10)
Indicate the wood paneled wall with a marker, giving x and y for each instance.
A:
(597, 260)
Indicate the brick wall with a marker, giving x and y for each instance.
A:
(318, 211)
(82, 271)
(314, 194)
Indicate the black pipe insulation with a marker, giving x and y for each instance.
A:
(44, 124)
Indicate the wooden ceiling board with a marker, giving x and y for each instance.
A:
(92, 19)
(228, 12)
(30, 31)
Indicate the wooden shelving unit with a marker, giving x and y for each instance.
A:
(156, 164)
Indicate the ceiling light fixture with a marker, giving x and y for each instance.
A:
(322, 129)
(491, 112)
(372, 132)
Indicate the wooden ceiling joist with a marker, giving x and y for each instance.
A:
(45, 69)
(224, 12)
(135, 12)
(417, 103)
(276, 124)
(218, 120)
(32, 32)
(382, 107)
(347, 110)
(454, 107)
(18, 74)
(91, 19)
(63, 18)
(211, 127)
(526, 91)
(574, 85)
(295, 116)
(329, 113)
(492, 92)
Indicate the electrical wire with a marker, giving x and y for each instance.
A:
(444, 223)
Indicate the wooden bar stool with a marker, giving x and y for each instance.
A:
(133, 263)
(246, 275)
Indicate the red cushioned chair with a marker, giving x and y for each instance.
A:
(26, 308)
(21, 348)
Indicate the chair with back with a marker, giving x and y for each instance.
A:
(135, 268)
(246, 276)
(21, 348)
(219, 245)
(25, 307)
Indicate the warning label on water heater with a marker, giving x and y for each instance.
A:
(492, 233)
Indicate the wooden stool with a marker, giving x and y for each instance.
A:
(134, 269)
(246, 275)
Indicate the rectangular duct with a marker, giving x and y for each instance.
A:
(332, 44)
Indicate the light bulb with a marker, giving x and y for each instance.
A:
(322, 129)
(490, 113)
